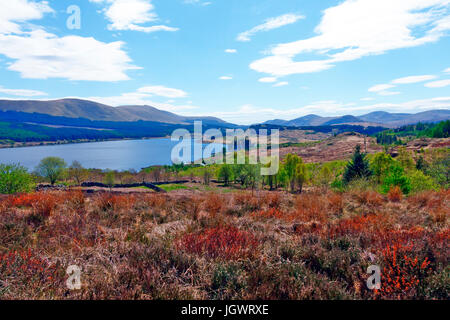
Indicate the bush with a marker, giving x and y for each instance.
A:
(421, 182)
(395, 194)
(227, 243)
(14, 179)
(396, 177)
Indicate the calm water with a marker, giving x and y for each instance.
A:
(115, 155)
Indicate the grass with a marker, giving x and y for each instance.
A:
(173, 187)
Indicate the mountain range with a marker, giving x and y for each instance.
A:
(76, 108)
(377, 118)
(84, 109)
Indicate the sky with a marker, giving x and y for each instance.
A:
(245, 61)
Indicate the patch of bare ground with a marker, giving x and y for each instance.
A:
(339, 147)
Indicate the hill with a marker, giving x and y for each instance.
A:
(377, 118)
(76, 108)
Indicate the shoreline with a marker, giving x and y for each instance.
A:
(64, 142)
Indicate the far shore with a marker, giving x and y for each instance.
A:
(61, 142)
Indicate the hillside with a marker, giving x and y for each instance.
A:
(76, 108)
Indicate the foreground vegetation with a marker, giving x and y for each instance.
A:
(269, 245)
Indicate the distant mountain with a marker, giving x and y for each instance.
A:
(343, 120)
(76, 108)
(378, 118)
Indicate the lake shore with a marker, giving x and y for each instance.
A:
(65, 142)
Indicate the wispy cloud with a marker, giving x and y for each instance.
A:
(438, 84)
(380, 87)
(281, 84)
(270, 24)
(22, 92)
(230, 50)
(268, 80)
(413, 79)
(163, 91)
(225, 78)
(357, 28)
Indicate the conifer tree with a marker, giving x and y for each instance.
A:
(358, 167)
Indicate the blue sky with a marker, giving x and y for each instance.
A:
(245, 61)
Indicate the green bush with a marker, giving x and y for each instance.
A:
(14, 179)
(396, 177)
(421, 182)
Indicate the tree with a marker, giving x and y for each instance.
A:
(77, 172)
(14, 179)
(300, 175)
(226, 174)
(110, 179)
(51, 168)
(207, 175)
(380, 165)
(405, 158)
(325, 175)
(290, 165)
(358, 167)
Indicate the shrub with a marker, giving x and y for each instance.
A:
(14, 179)
(228, 243)
(214, 203)
(395, 194)
(421, 182)
(107, 201)
(25, 271)
(43, 203)
(396, 177)
(403, 273)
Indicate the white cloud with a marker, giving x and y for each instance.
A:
(230, 50)
(357, 28)
(163, 91)
(42, 55)
(15, 12)
(22, 92)
(413, 79)
(381, 87)
(281, 84)
(388, 93)
(268, 79)
(37, 54)
(131, 14)
(438, 84)
(367, 99)
(199, 2)
(225, 78)
(447, 70)
(270, 24)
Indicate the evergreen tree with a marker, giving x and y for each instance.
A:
(358, 167)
